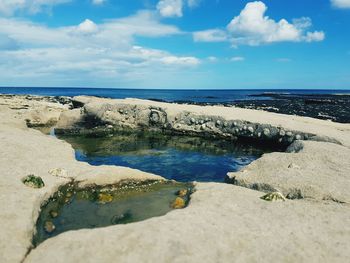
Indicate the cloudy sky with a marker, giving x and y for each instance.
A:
(214, 44)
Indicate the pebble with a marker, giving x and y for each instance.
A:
(53, 214)
(178, 203)
(182, 192)
(289, 134)
(266, 132)
(49, 227)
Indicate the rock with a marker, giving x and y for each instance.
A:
(105, 198)
(154, 117)
(293, 166)
(273, 196)
(182, 192)
(203, 126)
(193, 120)
(266, 132)
(49, 227)
(218, 123)
(282, 133)
(251, 129)
(289, 134)
(53, 214)
(33, 181)
(178, 203)
(298, 137)
(58, 172)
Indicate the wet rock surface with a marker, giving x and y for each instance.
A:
(321, 106)
(326, 107)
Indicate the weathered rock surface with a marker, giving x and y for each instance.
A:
(320, 171)
(223, 223)
(26, 151)
(106, 115)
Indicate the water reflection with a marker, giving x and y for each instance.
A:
(180, 158)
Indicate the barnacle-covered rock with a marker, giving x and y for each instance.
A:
(33, 181)
(273, 196)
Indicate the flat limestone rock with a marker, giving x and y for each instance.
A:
(320, 171)
(223, 222)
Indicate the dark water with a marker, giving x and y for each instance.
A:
(99, 207)
(180, 158)
(200, 96)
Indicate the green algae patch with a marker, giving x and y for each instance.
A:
(73, 208)
(33, 181)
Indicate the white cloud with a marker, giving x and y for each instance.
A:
(341, 3)
(87, 27)
(193, 3)
(252, 27)
(174, 8)
(8, 7)
(98, 2)
(87, 52)
(211, 35)
(314, 36)
(237, 59)
(170, 8)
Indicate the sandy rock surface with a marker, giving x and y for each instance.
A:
(223, 223)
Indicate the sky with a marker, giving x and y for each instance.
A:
(175, 44)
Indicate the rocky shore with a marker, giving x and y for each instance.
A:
(321, 106)
(223, 222)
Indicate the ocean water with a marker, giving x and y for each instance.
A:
(199, 96)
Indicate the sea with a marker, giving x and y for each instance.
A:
(172, 95)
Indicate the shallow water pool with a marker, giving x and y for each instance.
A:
(72, 208)
(180, 158)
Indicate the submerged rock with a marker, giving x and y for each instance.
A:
(105, 198)
(33, 181)
(53, 214)
(49, 227)
(273, 196)
(182, 193)
(178, 203)
(123, 218)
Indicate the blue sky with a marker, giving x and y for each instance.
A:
(216, 44)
